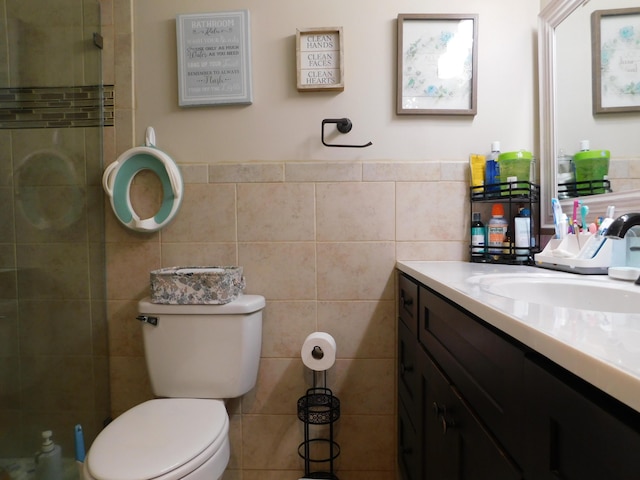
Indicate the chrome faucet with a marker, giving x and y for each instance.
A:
(620, 226)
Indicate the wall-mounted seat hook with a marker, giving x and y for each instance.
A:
(343, 125)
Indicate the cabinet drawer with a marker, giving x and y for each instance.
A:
(408, 302)
(485, 367)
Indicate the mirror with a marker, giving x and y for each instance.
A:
(566, 117)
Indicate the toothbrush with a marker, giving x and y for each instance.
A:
(576, 204)
(557, 219)
(584, 211)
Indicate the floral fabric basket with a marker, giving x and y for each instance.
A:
(196, 285)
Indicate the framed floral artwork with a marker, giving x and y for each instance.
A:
(615, 47)
(437, 64)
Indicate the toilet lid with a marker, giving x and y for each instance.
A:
(156, 437)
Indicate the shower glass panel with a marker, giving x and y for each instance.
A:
(54, 371)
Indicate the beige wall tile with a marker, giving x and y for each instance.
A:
(432, 251)
(377, 453)
(279, 271)
(246, 173)
(280, 383)
(363, 329)
(129, 267)
(199, 254)
(235, 440)
(355, 211)
(285, 325)
(129, 382)
(276, 212)
(364, 386)
(270, 442)
(125, 332)
(323, 172)
(431, 211)
(207, 214)
(356, 271)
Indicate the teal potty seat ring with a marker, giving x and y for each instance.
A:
(117, 180)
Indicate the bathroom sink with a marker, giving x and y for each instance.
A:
(597, 294)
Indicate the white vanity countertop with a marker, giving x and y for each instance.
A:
(600, 347)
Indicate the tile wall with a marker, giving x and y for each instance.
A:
(320, 242)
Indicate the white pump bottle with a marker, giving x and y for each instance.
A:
(49, 459)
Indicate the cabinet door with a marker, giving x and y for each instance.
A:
(571, 437)
(456, 445)
(408, 404)
(408, 446)
(483, 365)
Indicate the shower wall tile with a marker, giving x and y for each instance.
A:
(7, 232)
(57, 327)
(9, 383)
(50, 383)
(9, 343)
(41, 268)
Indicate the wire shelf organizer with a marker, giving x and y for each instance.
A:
(319, 407)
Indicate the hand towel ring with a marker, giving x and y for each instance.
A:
(117, 180)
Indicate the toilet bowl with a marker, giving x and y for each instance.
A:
(163, 439)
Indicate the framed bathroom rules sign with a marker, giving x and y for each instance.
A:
(214, 58)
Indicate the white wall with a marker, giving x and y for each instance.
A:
(283, 124)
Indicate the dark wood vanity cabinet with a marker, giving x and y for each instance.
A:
(575, 431)
(474, 403)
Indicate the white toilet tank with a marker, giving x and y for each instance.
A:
(203, 351)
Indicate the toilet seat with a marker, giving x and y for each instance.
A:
(164, 438)
(118, 176)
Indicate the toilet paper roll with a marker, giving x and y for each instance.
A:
(319, 351)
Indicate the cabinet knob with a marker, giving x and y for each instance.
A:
(446, 424)
(405, 368)
(441, 413)
(406, 302)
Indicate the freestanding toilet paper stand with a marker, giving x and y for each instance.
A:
(319, 407)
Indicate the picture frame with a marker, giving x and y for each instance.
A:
(320, 59)
(214, 58)
(615, 49)
(437, 67)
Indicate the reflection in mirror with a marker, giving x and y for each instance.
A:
(566, 116)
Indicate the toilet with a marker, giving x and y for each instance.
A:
(197, 356)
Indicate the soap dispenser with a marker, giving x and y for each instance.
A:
(48, 459)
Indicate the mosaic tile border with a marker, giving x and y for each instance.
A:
(57, 107)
